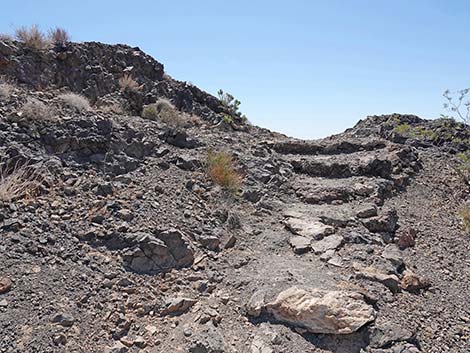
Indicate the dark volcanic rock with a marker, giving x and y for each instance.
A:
(160, 252)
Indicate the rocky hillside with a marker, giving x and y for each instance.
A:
(117, 236)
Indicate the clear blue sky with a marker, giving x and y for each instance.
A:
(306, 68)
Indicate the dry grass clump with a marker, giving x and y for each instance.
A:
(113, 108)
(32, 37)
(20, 181)
(465, 216)
(34, 109)
(6, 89)
(165, 111)
(127, 82)
(5, 37)
(59, 36)
(76, 101)
(221, 169)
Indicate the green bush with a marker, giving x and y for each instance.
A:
(232, 104)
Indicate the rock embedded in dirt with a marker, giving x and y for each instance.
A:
(393, 254)
(64, 319)
(5, 284)
(411, 282)
(330, 242)
(208, 340)
(300, 244)
(384, 223)
(177, 306)
(256, 303)
(154, 253)
(308, 228)
(407, 238)
(386, 334)
(372, 274)
(320, 311)
(367, 211)
(258, 345)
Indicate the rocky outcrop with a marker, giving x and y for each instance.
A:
(412, 130)
(158, 252)
(94, 69)
(319, 311)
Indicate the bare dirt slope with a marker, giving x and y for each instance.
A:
(351, 243)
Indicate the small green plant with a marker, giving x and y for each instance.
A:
(232, 104)
(425, 133)
(416, 131)
(164, 111)
(402, 129)
(221, 169)
(228, 119)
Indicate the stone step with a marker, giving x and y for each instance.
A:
(344, 165)
(327, 190)
(326, 146)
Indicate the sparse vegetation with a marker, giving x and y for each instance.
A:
(59, 36)
(232, 104)
(34, 109)
(164, 111)
(221, 169)
(406, 129)
(463, 169)
(465, 216)
(32, 37)
(114, 108)
(6, 89)
(77, 101)
(458, 104)
(19, 181)
(127, 82)
(402, 129)
(5, 36)
(228, 119)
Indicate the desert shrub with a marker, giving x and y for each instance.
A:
(19, 181)
(76, 101)
(221, 169)
(232, 104)
(402, 129)
(6, 37)
(6, 89)
(458, 104)
(127, 82)
(463, 167)
(164, 111)
(32, 37)
(114, 108)
(465, 216)
(59, 36)
(34, 109)
(228, 119)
